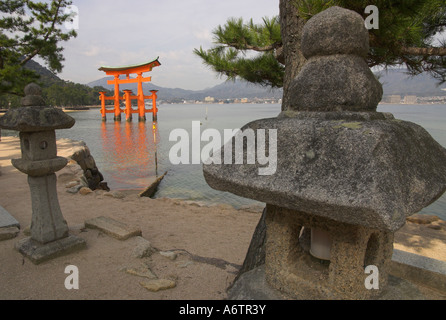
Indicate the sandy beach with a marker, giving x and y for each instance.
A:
(207, 245)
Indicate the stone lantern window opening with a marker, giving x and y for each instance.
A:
(39, 145)
(372, 250)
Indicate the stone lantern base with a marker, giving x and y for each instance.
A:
(252, 285)
(290, 268)
(290, 271)
(38, 252)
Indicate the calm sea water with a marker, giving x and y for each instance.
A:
(130, 154)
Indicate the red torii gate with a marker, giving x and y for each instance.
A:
(128, 94)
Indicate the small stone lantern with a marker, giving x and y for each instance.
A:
(345, 173)
(37, 124)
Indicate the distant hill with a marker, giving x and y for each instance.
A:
(241, 89)
(56, 91)
(226, 90)
(399, 82)
(46, 76)
(165, 93)
(395, 81)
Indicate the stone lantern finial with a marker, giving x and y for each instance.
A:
(37, 124)
(33, 96)
(335, 76)
(34, 115)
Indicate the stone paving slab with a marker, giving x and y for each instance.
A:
(7, 220)
(113, 228)
(8, 233)
(253, 286)
(419, 269)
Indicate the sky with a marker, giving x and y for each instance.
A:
(115, 33)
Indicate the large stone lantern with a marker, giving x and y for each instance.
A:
(347, 176)
(37, 124)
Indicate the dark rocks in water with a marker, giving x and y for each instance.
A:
(86, 161)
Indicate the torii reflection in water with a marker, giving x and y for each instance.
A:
(131, 152)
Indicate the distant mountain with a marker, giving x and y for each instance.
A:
(399, 82)
(46, 75)
(58, 92)
(226, 90)
(395, 81)
(241, 89)
(164, 93)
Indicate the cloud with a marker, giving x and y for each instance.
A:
(204, 35)
(92, 51)
(114, 33)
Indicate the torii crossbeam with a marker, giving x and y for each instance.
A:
(128, 94)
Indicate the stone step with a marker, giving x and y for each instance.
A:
(113, 228)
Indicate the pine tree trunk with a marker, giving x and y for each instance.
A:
(291, 27)
(291, 31)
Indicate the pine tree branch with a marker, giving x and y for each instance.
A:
(51, 29)
(270, 47)
(11, 93)
(424, 51)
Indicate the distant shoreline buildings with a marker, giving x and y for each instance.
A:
(213, 100)
(387, 99)
(413, 99)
